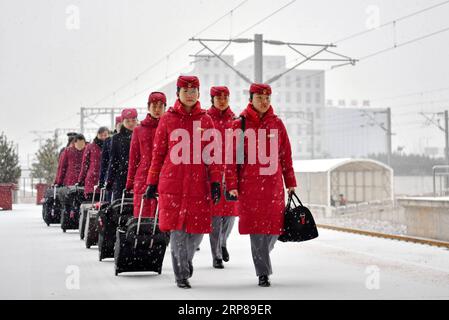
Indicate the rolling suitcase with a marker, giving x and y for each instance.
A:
(85, 206)
(108, 220)
(71, 209)
(140, 246)
(91, 221)
(51, 209)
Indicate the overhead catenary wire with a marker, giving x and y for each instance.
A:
(237, 35)
(394, 21)
(165, 57)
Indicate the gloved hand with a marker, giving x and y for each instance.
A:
(150, 193)
(100, 185)
(80, 184)
(215, 192)
(109, 186)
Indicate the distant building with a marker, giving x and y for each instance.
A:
(354, 131)
(297, 96)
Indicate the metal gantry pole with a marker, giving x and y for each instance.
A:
(389, 136)
(258, 58)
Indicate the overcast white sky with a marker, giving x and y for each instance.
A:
(49, 70)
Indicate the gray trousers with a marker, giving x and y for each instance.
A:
(261, 246)
(221, 229)
(183, 246)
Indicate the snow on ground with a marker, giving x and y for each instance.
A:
(37, 263)
(358, 222)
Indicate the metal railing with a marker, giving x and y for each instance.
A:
(443, 183)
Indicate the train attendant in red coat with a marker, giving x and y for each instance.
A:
(90, 168)
(223, 214)
(258, 182)
(187, 184)
(140, 154)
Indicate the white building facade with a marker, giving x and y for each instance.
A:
(298, 97)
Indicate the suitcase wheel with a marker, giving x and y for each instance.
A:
(64, 230)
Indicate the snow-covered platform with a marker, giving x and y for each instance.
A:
(426, 217)
(40, 262)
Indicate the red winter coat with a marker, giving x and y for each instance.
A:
(90, 168)
(58, 171)
(140, 154)
(70, 166)
(261, 197)
(184, 188)
(223, 121)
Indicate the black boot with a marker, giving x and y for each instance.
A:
(183, 284)
(225, 254)
(190, 269)
(218, 264)
(264, 281)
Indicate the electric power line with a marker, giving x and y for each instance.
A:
(239, 34)
(183, 44)
(357, 34)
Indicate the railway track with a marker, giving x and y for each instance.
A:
(430, 242)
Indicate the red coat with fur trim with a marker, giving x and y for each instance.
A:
(261, 202)
(183, 186)
(140, 154)
(223, 121)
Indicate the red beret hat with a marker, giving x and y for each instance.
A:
(118, 119)
(188, 82)
(219, 91)
(157, 96)
(129, 113)
(260, 88)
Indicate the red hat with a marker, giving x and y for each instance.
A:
(118, 119)
(129, 113)
(260, 88)
(157, 96)
(188, 82)
(219, 91)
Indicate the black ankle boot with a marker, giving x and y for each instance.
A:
(190, 269)
(183, 284)
(218, 264)
(264, 281)
(225, 254)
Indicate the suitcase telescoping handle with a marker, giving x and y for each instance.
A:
(123, 200)
(93, 197)
(139, 219)
(102, 193)
(54, 196)
(54, 202)
(156, 216)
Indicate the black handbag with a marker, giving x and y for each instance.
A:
(299, 224)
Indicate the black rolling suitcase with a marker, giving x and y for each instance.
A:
(91, 221)
(71, 208)
(85, 206)
(51, 208)
(140, 245)
(108, 220)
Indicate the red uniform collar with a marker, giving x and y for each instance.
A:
(227, 113)
(149, 121)
(251, 113)
(179, 108)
